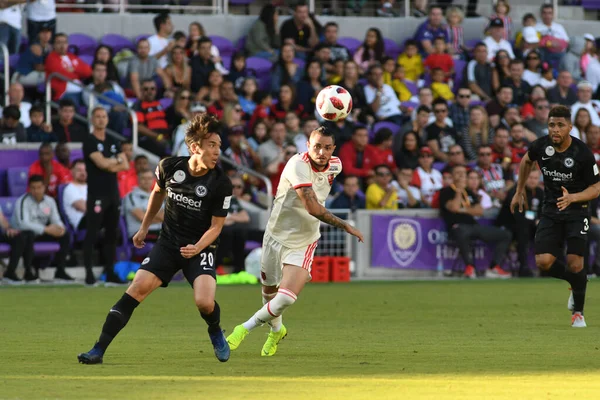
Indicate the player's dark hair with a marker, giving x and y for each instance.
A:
(34, 179)
(560, 112)
(324, 132)
(201, 126)
(159, 20)
(77, 161)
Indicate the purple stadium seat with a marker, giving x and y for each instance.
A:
(223, 44)
(8, 206)
(117, 42)
(140, 37)
(590, 4)
(439, 165)
(391, 48)
(350, 43)
(384, 124)
(45, 248)
(240, 45)
(166, 102)
(226, 61)
(474, 103)
(410, 104)
(472, 42)
(4, 249)
(13, 60)
(414, 89)
(84, 44)
(260, 66)
(87, 58)
(24, 44)
(17, 180)
(459, 68)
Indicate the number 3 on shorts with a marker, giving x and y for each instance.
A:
(586, 225)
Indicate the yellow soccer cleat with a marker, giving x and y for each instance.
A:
(237, 336)
(270, 347)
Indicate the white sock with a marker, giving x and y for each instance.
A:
(272, 310)
(275, 323)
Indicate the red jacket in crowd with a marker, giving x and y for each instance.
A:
(59, 175)
(348, 156)
(69, 66)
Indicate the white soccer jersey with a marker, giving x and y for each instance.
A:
(290, 223)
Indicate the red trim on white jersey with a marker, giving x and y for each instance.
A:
(269, 310)
(303, 185)
(288, 293)
(308, 255)
(334, 160)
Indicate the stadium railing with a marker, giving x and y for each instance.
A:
(6, 70)
(123, 7)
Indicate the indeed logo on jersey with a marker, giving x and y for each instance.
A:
(557, 176)
(183, 200)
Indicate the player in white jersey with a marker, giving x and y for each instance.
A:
(292, 234)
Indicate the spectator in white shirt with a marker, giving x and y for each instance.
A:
(160, 45)
(16, 93)
(408, 196)
(135, 204)
(75, 196)
(40, 13)
(495, 42)
(381, 97)
(10, 25)
(555, 39)
(584, 95)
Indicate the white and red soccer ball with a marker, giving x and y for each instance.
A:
(334, 103)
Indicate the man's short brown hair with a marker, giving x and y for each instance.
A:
(201, 126)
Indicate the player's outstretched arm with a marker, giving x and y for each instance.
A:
(155, 202)
(524, 169)
(588, 194)
(314, 208)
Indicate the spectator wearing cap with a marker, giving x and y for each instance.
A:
(530, 42)
(65, 127)
(563, 93)
(555, 39)
(11, 130)
(381, 97)
(53, 172)
(479, 73)
(495, 41)
(584, 96)
(430, 29)
(427, 179)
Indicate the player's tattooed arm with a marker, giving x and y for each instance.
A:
(314, 208)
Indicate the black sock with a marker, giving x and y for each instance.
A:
(558, 270)
(578, 285)
(116, 320)
(213, 319)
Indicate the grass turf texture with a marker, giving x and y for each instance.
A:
(398, 340)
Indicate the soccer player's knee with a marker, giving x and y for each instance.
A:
(544, 261)
(282, 300)
(575, 266)
(205, 305)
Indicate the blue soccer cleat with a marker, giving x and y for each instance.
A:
(94, 356)
(220, 345)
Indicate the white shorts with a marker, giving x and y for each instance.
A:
(275, 255)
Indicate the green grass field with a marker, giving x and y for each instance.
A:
(399, 340)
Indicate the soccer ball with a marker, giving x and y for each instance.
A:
(334, 103)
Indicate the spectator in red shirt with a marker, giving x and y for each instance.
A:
(54, 173)
(439, 58)
(127, 179)
(358, 157)
(63, 154)
(68, 65)
(382, 143)
(227, 95)
(286, 102)
(263, 101)
(152, 121)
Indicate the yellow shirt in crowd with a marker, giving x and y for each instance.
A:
(375, 194)
(413, 67)
(442, 90)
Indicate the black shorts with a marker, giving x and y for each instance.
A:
(553, 232)
(164, 262)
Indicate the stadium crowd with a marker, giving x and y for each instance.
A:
(419, 115)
